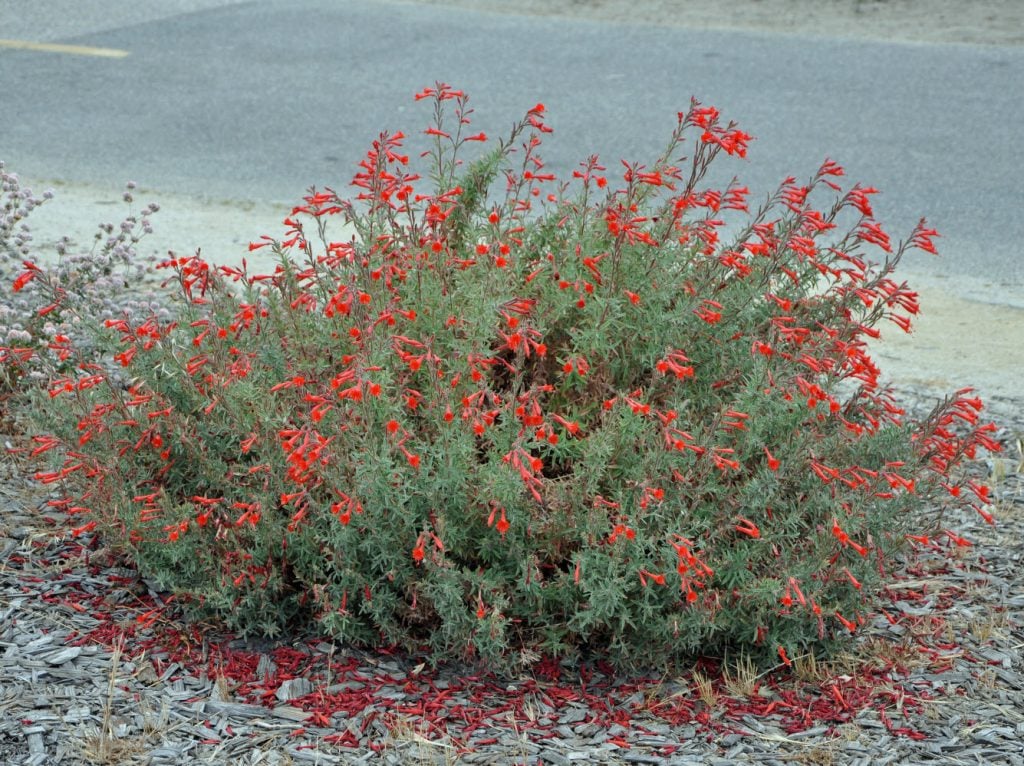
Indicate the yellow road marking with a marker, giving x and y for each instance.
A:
(74, 50)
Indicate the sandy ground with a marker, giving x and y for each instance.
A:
(961, 339)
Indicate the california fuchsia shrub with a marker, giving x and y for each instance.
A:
(619, 411)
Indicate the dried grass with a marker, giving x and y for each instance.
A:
(103, 746)
(740, 677)
(705, 689)
(416, 743)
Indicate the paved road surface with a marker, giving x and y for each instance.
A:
(259, 100)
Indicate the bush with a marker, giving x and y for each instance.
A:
(512, 415)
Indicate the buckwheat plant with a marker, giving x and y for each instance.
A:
(509, 413)
(80, 287)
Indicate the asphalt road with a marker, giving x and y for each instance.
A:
(261, 100)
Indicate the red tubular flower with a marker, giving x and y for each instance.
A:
(850, 626)
(904, 323)
(655, 577)
(853, 580)
(988, 517)
(839, 534)
(922, 238)
(26, 276)
(502, 526)
(830, 168)
(571, 426)
(785, 659)
(88, 527)
(722, 463)
(796, 589)
(961, 542)
(708, 311)
(749, 528)
(858, 197)
(733, 420)
(621, 529)
(125, 357)
(872, 232)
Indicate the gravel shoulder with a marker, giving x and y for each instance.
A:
(979, 22)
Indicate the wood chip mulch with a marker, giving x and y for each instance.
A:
(96, 668)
